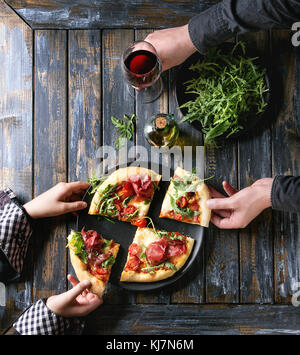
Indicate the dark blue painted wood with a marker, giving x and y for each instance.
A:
(16, 136)
(194, 320)
(108, 14)
(50, 108)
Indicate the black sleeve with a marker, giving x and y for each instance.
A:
(285, 193)
(230, 17)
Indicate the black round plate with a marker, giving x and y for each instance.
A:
(123, 233)
(184, 74)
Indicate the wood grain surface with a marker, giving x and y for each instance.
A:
(285, 160)
(256, 241)
(59, 89)
(84, 14)
(16, 163)
(50, 157)
(195, 320)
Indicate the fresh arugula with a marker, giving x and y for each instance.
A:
(125, 127)
(161, 233)
(107, 196)
(77, 244)
(96, 181)
(132, 215)
(229, 89)
(127, 199)
(106, 243)
(108, 262)
(183, 212)
(167, 264)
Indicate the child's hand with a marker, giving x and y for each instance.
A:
(241, 207)
(62, 198)
(77, 302)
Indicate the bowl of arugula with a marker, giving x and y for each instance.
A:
(224, 93)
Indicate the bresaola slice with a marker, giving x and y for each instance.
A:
(142, 185)
(92, 239)
(164, 249)
(156, 252)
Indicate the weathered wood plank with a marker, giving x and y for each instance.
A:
(145, 112)
(84, 102)
(116, 102)
(222, 246)
(83, 14)
(194, 320)
(286, 160)
(16, 135)
(84, 124)
(50, 130)
(190, 289)
(256, 241)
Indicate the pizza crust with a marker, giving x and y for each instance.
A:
(82, 273)
(203, 194)
(146, 236)
(119, 176)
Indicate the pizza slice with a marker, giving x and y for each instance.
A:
(156, 255)
(186, 198)
(92, 258)
(126, 195)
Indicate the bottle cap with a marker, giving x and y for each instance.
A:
(160, 122)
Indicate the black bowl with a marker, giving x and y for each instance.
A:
(184, 74)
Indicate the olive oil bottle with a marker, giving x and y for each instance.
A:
(161, 130)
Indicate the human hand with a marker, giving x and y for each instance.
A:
(173, 45)
(62, 198)
(77, 302)
(241, 207)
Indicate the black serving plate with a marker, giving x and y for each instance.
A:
(184, 74)
(123, 233)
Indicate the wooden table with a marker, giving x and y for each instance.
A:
(60, 82)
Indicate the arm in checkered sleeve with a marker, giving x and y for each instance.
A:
(40, 320)
(60, 314)
(15, 231)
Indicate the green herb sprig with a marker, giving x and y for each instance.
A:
(125, 127)
(96, 181)
(77, 244)
(167, 264)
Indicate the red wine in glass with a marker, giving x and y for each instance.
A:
(141, 68)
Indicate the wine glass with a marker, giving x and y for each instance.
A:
(141, 68)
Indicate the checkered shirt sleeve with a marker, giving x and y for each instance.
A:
(40, 320)
(15, 229)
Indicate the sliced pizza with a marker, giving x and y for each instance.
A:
(126, 195)
(92, 258)
(186, 198)
(155, 255)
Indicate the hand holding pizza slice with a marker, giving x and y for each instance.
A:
(92, 258)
